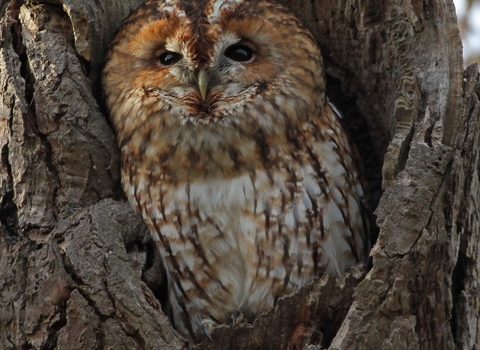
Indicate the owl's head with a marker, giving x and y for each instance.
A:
(210, 70)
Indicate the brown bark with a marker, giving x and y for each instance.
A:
(75, 261)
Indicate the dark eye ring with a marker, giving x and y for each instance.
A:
(239, 53)
(169, 58)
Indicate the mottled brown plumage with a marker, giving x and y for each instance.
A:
(232, 154)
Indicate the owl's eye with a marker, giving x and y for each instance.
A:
(239, 53)
(169, 58)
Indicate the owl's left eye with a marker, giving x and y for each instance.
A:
(239, 53)
(169, 58)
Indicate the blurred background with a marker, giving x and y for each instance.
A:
(468, 13)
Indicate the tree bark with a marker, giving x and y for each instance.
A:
(78, 269)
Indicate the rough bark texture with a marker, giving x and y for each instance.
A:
(77, 267)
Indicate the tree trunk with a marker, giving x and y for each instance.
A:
(78, 269)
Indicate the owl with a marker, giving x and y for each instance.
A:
(232, 154)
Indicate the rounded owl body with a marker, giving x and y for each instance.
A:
(231, 153)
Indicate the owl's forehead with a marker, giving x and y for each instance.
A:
(209, 10)
(199, 15)
(200, 21)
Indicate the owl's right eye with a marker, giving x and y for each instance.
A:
(169, 58)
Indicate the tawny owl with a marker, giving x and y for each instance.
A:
(232, 154)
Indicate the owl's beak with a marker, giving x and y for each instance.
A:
(202, 83)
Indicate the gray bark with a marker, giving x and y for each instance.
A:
(78, 269)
